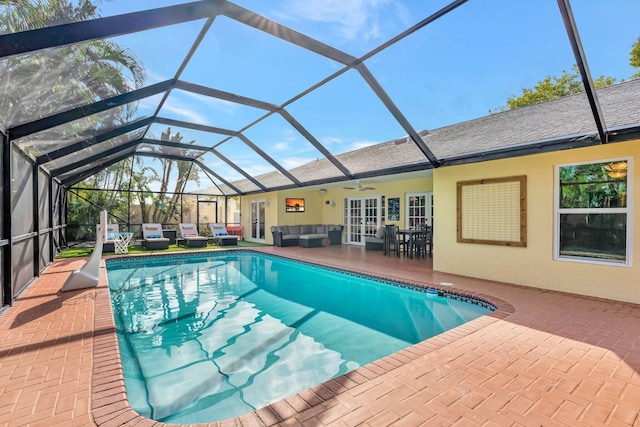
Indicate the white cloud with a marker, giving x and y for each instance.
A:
(225, 107)
(282, 146)
(152, 76)
(331, 141)
(361, 144)
(189, 111)
(180, 110)
(340, 145)
(351, 19)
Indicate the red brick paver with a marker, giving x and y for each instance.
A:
(543, 359)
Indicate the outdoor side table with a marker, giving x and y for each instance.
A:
(171, 235)
(121, 242)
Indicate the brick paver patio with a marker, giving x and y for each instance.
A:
(542, 359)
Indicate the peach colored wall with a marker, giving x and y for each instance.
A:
(533, 265)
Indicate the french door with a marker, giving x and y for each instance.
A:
(256, 221)
(419, 209)
(362, 217)
(207, 212)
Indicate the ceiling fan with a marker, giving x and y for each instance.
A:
(359, 187)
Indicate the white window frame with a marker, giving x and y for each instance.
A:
(628, 210)
(355, 234)
(428, 195)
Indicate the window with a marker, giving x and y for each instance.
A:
(593, 218)
(419, 209)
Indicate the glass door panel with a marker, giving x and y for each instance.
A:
(257, 221)
(363, 216)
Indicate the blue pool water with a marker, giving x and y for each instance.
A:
(207, 337)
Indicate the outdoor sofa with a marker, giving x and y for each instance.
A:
(375, 242)
(308, 235)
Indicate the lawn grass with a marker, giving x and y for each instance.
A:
(137, 249)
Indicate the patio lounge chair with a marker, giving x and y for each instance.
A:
(152, 237)
(190, 236)
(221, 236)
(109, 245)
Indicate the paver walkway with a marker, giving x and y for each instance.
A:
(544, 359)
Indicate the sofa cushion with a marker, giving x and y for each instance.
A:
(381, 233)
(372, 239)
(294, 229)
(284, 229)
(314, 236)
(307, 229)
(320, 229)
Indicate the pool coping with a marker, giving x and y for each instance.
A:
(110, 406)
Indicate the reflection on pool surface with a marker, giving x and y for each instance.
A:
(207, 337)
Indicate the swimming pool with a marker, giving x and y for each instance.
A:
(206, 337)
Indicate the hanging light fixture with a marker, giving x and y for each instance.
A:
(617, 169)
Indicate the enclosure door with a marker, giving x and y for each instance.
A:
(207, 213)
(256, 221)
(363, 216)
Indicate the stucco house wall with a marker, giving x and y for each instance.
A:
(533, 265)
(328, 207)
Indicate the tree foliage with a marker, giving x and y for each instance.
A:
(554, 87)
(53, 80)
(568, 83)
(49, 81)
(161, 206)
(590, 186)
(634, 58)
(166, 203)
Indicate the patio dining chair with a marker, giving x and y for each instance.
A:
(393, 241)
(422, 242)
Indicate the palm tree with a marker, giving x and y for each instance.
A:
(185, 170)
(46, 82)
(42, 83)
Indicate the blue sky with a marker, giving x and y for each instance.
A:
(455, 69)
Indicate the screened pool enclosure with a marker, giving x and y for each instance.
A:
(171, 111)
